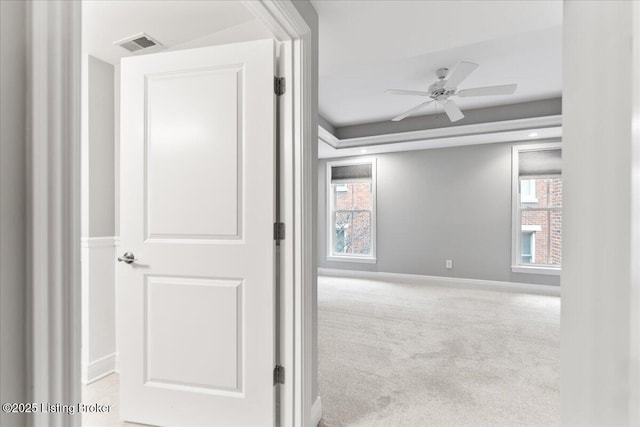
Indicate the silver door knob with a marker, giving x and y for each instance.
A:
(128, 258)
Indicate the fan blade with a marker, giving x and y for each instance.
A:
(489, 90)
(459, 73)
(406, 92)
(413, 110)
(452, 111)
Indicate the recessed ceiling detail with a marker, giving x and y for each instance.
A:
(514, 42)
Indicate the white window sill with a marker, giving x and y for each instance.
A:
(366, 260)
(536, 270)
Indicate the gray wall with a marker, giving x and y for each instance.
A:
(449, 203)
(116, 149)
(522, 110)
(13, 72)
(101, 206)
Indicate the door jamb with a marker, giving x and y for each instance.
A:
(297, 159)
(53, 172)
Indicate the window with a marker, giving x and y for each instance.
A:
(537, 209)
(351, 215)
(528, 191)
(528, 247)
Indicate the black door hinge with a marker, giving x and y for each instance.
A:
(278, 375)
(278, 231)
(279, 85)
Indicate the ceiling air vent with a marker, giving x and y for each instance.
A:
(138, 42)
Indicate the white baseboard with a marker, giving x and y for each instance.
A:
(526, 288)
(98, 368)
(316, 412)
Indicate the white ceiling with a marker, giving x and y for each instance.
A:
(170, 22)
(367, 47)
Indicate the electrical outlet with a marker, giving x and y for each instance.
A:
(448, 263)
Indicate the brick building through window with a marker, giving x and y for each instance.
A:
(538, 206)
(541, 223)
(352, 210)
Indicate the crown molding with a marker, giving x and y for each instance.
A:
(328, 137)
(546, 127)
(448, 132)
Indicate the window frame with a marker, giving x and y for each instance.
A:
(331, 256)
(516, 227)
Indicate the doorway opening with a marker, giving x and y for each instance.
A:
(203, 25)
(439, 217)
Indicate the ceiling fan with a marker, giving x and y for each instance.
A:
(447, 86)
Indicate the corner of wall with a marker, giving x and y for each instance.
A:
(13, 206)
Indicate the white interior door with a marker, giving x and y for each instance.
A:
(196, 308)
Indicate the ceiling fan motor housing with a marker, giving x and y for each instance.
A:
(441, 73)
(438, 91)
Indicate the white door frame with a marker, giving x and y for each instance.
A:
(53, 221)
(53, 308)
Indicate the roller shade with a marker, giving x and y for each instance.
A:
(540, 162)
(351, 172)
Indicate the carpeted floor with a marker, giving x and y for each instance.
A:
(419, 355)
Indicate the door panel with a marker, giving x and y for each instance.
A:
(193, 162)
(196, 308)
(211, 362)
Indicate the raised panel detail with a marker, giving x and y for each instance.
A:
(193, 132)
(197, 322)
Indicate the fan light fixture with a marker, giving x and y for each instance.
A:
(447, 86)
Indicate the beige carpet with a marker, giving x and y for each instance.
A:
(419, 355)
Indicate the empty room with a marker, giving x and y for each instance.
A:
(324, 213)
(440, 199)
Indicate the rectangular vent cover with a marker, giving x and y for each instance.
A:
(138, 42)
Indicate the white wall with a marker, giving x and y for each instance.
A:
(310, 16)
(13, 214)
(98, 308)
(98, 219)
(600, 334)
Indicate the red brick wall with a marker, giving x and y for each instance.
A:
(358, 230)
(548, 239)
